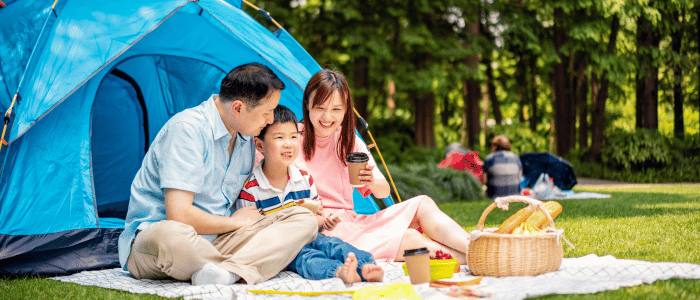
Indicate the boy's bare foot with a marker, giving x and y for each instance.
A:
(348, 271)
(373, 273)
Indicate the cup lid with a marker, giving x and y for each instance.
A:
(358, 157)
(418, 251)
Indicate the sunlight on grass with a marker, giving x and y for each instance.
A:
(651, 223)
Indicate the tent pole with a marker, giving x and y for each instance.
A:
(8, 115)
(364, 124)
(374, 144)
(262, 12)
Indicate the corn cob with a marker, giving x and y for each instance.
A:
(514, 221)
(539, 220)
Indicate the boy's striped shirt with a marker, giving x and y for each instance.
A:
(258, 191)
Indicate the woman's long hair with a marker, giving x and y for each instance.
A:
(322, 85)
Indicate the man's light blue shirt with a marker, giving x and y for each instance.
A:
(191, 153)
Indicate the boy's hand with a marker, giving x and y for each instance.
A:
(332, 221)
(321, 222)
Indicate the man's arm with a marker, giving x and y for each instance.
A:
(179, 207)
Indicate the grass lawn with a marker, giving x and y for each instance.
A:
(646, 223)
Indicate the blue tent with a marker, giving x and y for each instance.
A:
(96, 80)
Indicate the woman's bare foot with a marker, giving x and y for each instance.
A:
(348, 271)
(373, 273)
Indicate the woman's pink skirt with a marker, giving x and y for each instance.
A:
(380, 233)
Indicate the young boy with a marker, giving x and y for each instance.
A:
(275, 184)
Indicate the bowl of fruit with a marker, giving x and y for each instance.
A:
(442, 265)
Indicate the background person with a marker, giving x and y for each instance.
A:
(502, 169)
(179, 224)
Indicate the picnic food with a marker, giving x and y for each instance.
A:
(501, 255)
(441, 255)
(527, 228)
(539, 220)
(312, 205)
(337, 214)
(514, 221)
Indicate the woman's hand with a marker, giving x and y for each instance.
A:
(379, 187)
(366, 176)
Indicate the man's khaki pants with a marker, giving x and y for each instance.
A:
(255, 252)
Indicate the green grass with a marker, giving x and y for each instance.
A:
(660, 223)
(646, 223)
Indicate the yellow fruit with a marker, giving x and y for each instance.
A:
(538, 219)
(514, 221)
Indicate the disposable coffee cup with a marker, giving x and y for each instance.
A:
(356, 161)
(418, 265)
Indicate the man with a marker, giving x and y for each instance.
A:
(179, 223)
(502, 169)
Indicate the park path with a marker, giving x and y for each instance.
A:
(599, 183)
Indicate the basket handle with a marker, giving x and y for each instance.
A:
(502, 202)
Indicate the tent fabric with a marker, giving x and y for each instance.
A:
(95, 87)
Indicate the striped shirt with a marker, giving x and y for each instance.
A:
(503, 170)
(268, 199)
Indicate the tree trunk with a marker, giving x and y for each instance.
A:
(534, 116)
(424, 120)
(598, 117)
(561, 103)
(472, 95)
(361, 88)
(572, 96)
(492, 92)
(647, 76)
(521, 80)
(582, 99)
(472, 90)
(678, 126)
(487, 59)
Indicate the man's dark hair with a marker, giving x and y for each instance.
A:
(282, 115)
(251, 83)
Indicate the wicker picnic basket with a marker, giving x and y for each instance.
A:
(499, 255)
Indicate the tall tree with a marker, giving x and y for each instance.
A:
(472, 89)
(676, 43)
(602, 96)
(647, 78)
(487, 60)
(582, 100)
(561, 100)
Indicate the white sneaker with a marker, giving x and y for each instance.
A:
(212, 274)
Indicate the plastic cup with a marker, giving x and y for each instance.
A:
(356, 161)
(418, 265)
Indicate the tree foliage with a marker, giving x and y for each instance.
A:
(451, 68)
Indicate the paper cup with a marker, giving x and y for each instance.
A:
(418, 265)
(356, 161)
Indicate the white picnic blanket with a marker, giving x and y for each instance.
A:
(581, 275)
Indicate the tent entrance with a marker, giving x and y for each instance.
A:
(131, 105)
(119, 141)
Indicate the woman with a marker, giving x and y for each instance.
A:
(328, 137)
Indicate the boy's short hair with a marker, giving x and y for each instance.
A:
(250, 83)
(282, 115)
